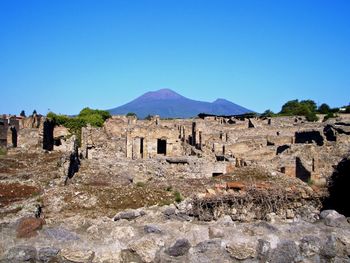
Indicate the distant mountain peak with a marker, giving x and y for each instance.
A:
(161, 94)
(169, 104)
(220, 100)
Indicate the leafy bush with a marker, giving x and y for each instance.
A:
(140, 184)
(329, 115)
(86, 116)
(93, 119)
(90, 113)
(178, 197)
(335, 110)
(131, 114)
(311, 116)
(268, 113)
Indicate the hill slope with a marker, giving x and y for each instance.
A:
(169, 104)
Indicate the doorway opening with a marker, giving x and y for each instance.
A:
(141, 147)
(161, 146)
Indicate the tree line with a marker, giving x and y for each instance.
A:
(307, 108)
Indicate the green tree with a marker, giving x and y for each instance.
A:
(290, 107)
(310, 104)
(347, 109)
(305, 108)
(22, 114)
(129, 114)
(334, 110)
(324, 108)
(149, 117)
(94, 117)
(268, 113)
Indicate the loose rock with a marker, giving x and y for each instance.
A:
(21, 254)
(240, 251)
(180, 248)
(78, 256)
(333, 218)
(152, 229)
(61, 234)
(28, 227)
(129, 214)
(286, 251)
(47, 254)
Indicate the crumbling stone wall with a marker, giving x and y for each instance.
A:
(3, 132)
(274, 144)
(143, 142)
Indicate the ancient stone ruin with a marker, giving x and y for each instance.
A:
(208, 189)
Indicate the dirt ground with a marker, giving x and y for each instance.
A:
(38, 177)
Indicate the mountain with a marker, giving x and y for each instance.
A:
(169, 104)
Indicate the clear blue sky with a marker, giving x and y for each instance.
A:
(68, 54)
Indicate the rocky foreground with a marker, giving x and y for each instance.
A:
(248, 216)
(169, 234)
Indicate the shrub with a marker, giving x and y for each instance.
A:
(268, 113)
(91, 114)
(178, 197)
(129, 114)
(140, 184)
(335, 110)
(311, 116)
(310, 182)
(328, 116)
(95, 118)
